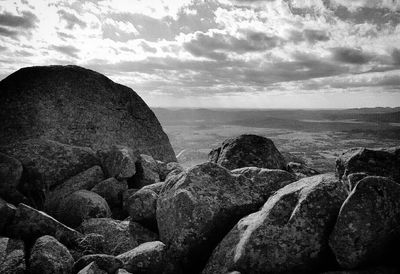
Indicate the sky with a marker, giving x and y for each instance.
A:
(217, 53)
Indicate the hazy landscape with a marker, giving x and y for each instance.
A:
(317, 136)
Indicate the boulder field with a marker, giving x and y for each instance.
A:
(86, 199)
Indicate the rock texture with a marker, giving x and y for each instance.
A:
(12, 256)
(147, 172)
(7, 213)
(379, 162)
(248, 151)
(77, 106)
(368, 225)
(48, 164)
(29, 224)
(196, 209)
(92, 268)
(288, 235)
(82, 205)
(120, 236)
(142, 206)
(112, 190)
(107, 263)
(10, 176)
(85, 180)
(48, 256)
(147, 258)
(118, 162)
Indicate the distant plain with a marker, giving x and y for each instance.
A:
(316, 136)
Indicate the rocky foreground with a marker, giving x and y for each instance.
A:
(125, 206)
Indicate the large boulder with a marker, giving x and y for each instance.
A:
(288, 235)
(48, 256)
(84, 180)
(119, 236)
(12, 256)
(82, 205)
(77, 106)
(379, 162)
(196, 209)
(368, 226)
(48, 164)
(10, 176)
(147, 258)
(248, 151)
(29, 224)
(107, 263)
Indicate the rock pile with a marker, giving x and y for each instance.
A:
(65, 208)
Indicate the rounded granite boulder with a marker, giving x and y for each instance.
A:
(77, 106)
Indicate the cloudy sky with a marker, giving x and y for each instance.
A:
(218, 53)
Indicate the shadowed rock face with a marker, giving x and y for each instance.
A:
(76, 106)
(248, 151)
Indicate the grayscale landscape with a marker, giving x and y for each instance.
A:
(316, 136)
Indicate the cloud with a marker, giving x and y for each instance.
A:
(350, 55)
(71, 19)
(217, 45)
(26, 21)
(8, 32)
(67, 50)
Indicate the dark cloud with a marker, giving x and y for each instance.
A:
(67, 50)
(310, 35)
(396, 56)
(313, 35)
(377, 16)
(217, 45)
(350, 55)
(8, 32)
(26, 21)
(71, 19)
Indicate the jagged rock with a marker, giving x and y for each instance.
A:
(92, 268)
(12, 256)
(91, 243)
(301, 170)
(82, 205)
(379, 162)
(107, 263)
(146, 258)
(142, 206)
(7, 213)
(29, 224)
(118, 162)
(10, 176)
(119, 235)
(48, 256)
(196, 209)
(73, 105)
(354, 178)
(47, 164)
(146, 172)
(84, 180)
(288, 235)
(367, 228)
(112, 190)
(248, 151)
